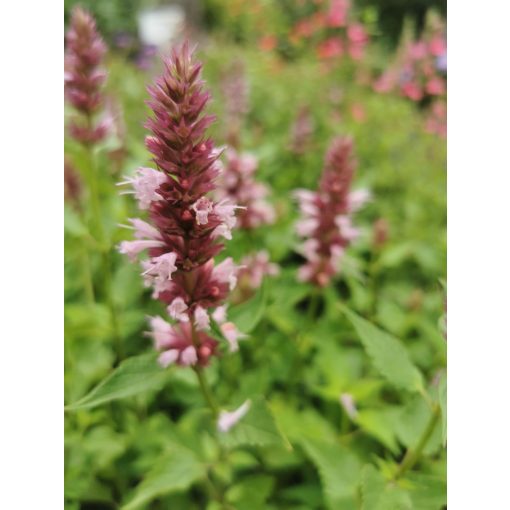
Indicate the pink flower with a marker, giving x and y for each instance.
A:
(337, 14)
(201, 318)
(185, 222)
(435, 87)
(161, 268)
(169, 357)
(255, 267)
(326, 223)
(227, 419)
(220, 314)
(233, 335)
(357, 199)
(237, 185)
(203, 207)
(330, 48)
(83, 76)
(133, 248)
(347, 402)
(226, 272)
(161, 332)
(177, 309)
(189, 356)
(145, 184)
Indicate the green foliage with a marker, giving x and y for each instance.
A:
(138, 436)
(257, 428)
(173, 473)
(389, 356)
(135, 375)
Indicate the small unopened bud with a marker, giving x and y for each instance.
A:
(214, 291)
(186, 215)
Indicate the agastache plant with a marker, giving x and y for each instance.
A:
(326, 223)
(186, 225)
(84, 77)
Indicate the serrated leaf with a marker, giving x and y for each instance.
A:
(176, 472)
(257, 428)
(377, 494)
(134, 375)
(442, 393)
(247, 315)
(339, 470)
(412, 422)
(388, 355)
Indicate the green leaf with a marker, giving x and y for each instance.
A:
(376, 494)
(252, 492)
(73, 224)
(176, 472)
(412, 422)
(134, 375)
(339, 470)
(428, 492)
(442, 404)
(247, 315)
(380, 423)
(388, 355)
(256, 428)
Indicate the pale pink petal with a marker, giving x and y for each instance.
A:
(189, 356)
(177, 309)
(201, 318)
(168, 357)
(228, 419)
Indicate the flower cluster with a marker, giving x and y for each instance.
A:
(335, 33)
(237, 185)
(419, 70)
(254, 268)
(84, 76)
(326, 223)
(185, 226)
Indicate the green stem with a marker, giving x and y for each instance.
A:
(97, 227)
(206, 391)
(88, 284)
(413, 454)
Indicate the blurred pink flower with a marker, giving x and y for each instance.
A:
(227, 419)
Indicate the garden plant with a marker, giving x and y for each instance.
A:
(255, 288)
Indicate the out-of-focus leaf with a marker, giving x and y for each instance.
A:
(339, 470)
(73, 224)
(247, 315)
(376, 494)
(380, 423)
(252, 492)
(442, 403)
(412, 422)
(176, 472)
(256, 428)
(134, 375)
(388, 354)
(427, 492)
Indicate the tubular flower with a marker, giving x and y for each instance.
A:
(185, 225)
(84, 77)
(326, 224)
(237, 185)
